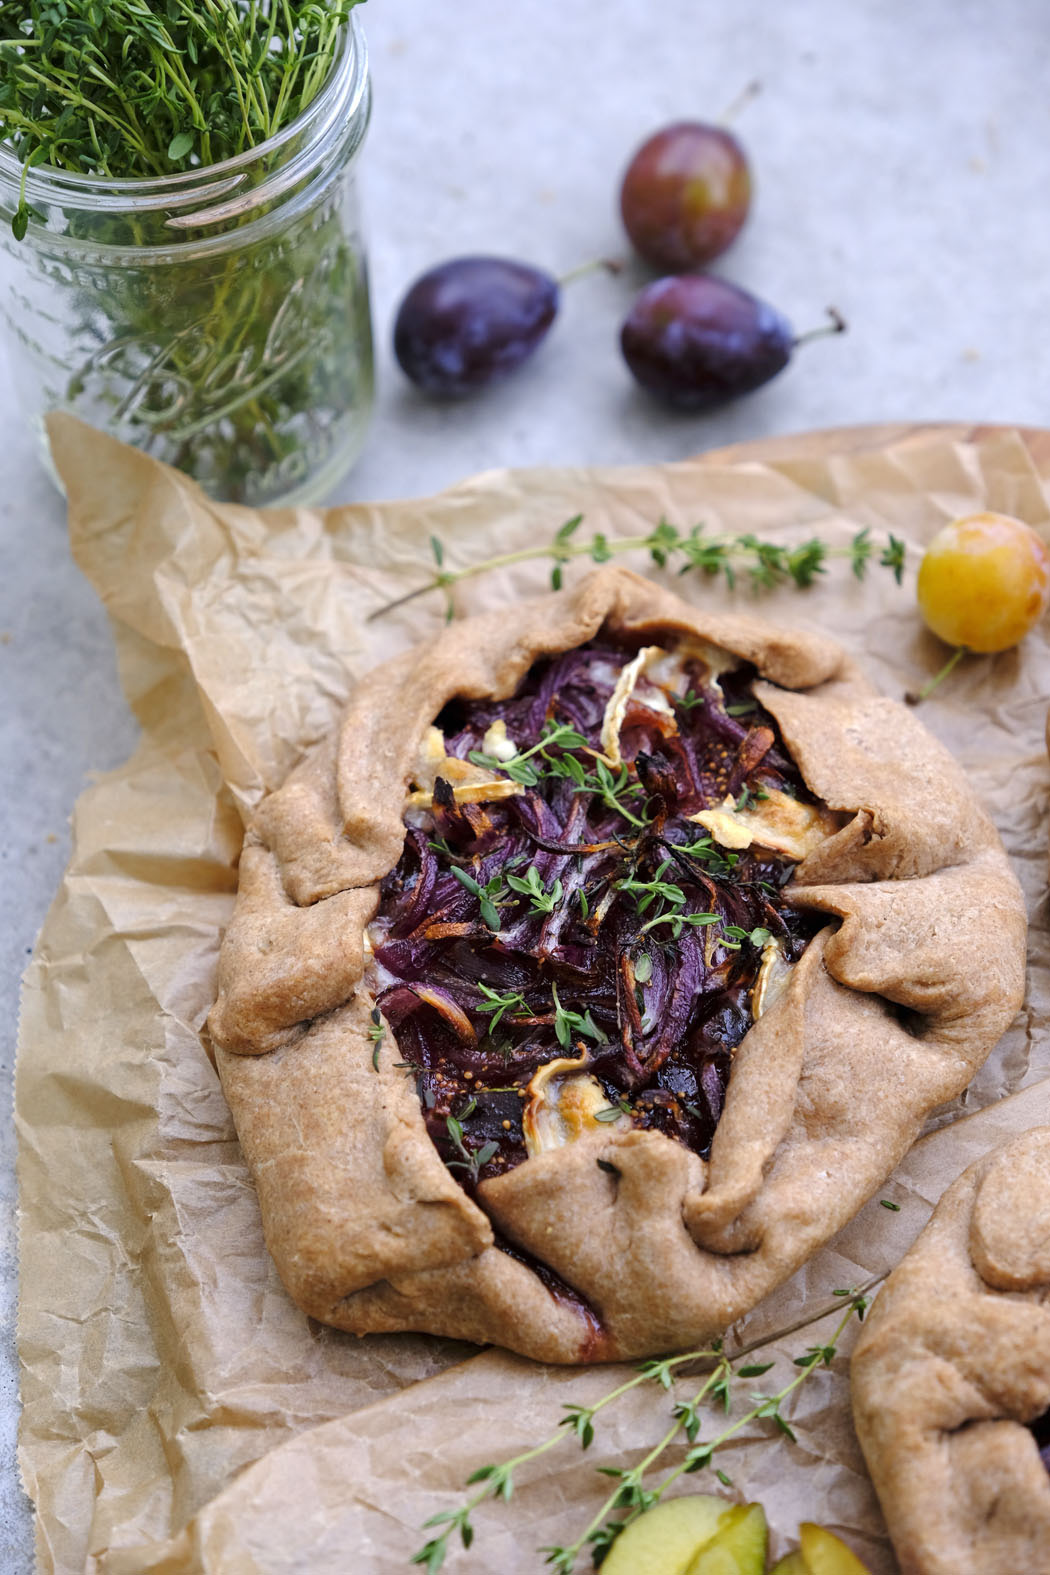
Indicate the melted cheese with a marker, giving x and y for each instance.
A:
(470, 784)
(778, 822)
(771, 980)
(654, 699)
(497, 744)
(654, 674)
(564, 1102)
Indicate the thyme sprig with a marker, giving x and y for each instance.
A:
(645, 892)
(498, 1005)
(611, 787)
(568, 1023)
(761, 564)
(530, 766)
(522, 766)
(133, 90)
(491, 897)
(245, 368)
(470, 1160)
(630, 1494)
(719, 861)
(540, 899)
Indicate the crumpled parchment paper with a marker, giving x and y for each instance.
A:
(180, 1414)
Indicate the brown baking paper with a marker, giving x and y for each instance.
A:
(180, 1414)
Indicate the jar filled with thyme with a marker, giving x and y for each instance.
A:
(181, 260)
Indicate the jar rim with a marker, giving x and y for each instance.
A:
(339, 99)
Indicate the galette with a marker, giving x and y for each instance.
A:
(596, 969)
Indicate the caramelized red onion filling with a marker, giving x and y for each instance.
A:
(585, 919)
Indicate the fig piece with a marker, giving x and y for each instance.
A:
(738, 1547)
(665, 1538)
(685, 195)
(697, 342)
(471, 321)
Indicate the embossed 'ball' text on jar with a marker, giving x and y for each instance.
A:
(217, 319)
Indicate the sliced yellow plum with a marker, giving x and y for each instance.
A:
(664, 1539)
(738, 1547)
(790, 1564)
(825, 1554)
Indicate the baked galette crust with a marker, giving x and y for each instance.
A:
(885, 1018)
(953, 1361)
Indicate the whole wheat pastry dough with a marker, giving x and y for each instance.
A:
(952, 1363)
(885, 1018)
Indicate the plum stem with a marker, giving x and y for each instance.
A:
(734, 108)
(916, 697)
(611, 265)
(836, 324)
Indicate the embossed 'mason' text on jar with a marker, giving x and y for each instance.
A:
(217, 319)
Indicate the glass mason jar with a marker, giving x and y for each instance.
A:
(217, 319)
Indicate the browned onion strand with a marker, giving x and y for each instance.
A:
(662, 1049)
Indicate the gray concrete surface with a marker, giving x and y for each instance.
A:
(902, 159)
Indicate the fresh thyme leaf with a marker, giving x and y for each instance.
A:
(894, 1208)
(611, 1112)
(581, 1418)
(861, 550)
(180, 145)
(892, 557)
(562, 534)
(643, 969)
(806, 562)
(375, 1033)
(438, 550)
(758, 937)
(432, 1554)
